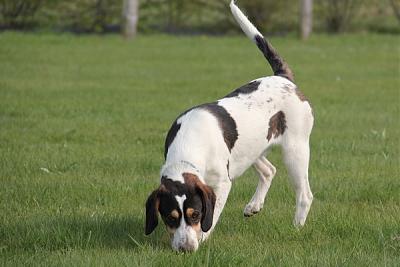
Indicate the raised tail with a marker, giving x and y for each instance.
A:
(278, 65)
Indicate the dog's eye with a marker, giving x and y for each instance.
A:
(195, 215)
(171, 218)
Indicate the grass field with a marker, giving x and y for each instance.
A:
(82, 127)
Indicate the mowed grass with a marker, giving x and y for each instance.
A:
(82, 128)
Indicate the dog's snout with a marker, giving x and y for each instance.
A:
(186, 244)
(187, 247)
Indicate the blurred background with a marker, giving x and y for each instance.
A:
(84, 114)
(196, 16)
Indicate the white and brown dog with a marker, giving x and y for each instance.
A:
(210, 145)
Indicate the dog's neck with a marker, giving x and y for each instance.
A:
(175, 170)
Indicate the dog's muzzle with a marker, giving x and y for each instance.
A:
(185, 240)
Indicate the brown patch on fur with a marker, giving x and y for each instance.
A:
(277, 125)
(192, 180)
(152, 207)
(175, 214)
(189, 212)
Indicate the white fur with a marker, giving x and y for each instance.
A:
(266, 172)
(244, 23)
(184, 236)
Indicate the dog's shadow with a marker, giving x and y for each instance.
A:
(79, 232)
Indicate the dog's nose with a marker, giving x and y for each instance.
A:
(187, 248)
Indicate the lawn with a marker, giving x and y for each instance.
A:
(82, 127)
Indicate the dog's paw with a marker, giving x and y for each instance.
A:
(252, 208)
(299, 221)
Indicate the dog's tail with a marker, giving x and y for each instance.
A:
(278, 65)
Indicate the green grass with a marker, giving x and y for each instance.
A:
(82, 126)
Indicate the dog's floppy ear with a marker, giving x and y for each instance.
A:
(208, 200)
(152, 205)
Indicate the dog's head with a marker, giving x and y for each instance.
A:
(187, 210)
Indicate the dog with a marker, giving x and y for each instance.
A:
(209, 145)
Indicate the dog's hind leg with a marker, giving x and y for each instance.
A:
(296, 155)
(266, 172)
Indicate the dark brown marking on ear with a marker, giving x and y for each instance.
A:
(245, 89)
(207, 196)
(277, 125)
(152, 205)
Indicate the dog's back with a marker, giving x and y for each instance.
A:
(262, 118)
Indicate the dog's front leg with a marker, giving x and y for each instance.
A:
(266, 172)
(221, 193)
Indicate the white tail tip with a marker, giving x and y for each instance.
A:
(244, 23)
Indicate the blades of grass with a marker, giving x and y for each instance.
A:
(136, 242)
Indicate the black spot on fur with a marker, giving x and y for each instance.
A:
(227, 168)
(245, 89)
(226, 123)
(174, 187)
(168, 203)
(173, 131)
